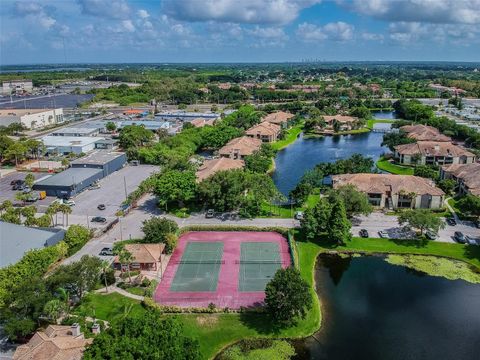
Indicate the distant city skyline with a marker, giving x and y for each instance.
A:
(209, 31)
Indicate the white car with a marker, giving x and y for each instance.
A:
(383, 234)
(69, 202)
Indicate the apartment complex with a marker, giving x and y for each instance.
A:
(433, 153)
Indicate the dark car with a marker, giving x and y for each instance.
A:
(363, 233)
(99, 219)
(458, 236)
(477, 224)
(210, 213)
(101, 207)
(451, 221)
(106, 252)
(14, 182)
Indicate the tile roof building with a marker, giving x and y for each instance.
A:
(467, 177)
(280, 118)
(265, 131)
(211, 167)
(424, 133)
(346, 122)
(394, 191)
(433, 153)
(145, 256)
(240, 147)
(57, 342)
(201, 122)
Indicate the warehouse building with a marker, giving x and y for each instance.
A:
(31, 118)
(106, 161)
(76, 131)
(69, 182)
(16, 240)
(70, 144)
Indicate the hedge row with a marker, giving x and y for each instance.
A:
(280, 230)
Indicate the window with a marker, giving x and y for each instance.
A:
(404, 202)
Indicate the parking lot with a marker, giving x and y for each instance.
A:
(111, 192)
(6, 192)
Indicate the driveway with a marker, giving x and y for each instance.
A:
(377, 221)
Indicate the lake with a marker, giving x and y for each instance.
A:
(292, 162)
(373, 310)
(384, 114)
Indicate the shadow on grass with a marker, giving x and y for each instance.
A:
(472, 252)
(420, 243)
(261, 323)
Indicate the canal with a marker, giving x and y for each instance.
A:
(292, 162)
(373, 310)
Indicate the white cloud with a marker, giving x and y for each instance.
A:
(114, 9)
(336, 31)
(372, 36)
(267, 36)
(128, 26)
(238, 11)
(143, 14)
(427, 11)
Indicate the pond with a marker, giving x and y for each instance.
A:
(374, 310)
(384, 114)
(292, 162)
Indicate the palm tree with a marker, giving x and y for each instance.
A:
(65, 209)
(53, 209)
(126, 258)
(105, 267)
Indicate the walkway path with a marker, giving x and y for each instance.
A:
(113, 288)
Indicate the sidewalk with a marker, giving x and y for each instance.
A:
(113, 288)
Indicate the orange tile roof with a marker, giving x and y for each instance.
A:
(278, 117)
(56, 343)
(211, 167)
(201, 122)
(144, 253)
(433, 148)
(424, 133)
(243, 145)
(264, 128)
(339, 118)
(468, 173)
(383, 183)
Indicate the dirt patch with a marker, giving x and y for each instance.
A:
(207, 320)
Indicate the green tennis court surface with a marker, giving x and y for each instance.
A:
(199, 267)
(258, 263)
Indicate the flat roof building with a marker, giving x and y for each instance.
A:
(12, 87)
(107, 161)
(148, 124)
(185, 116)
(75, 131)
(16, 240)
(70, 144)
(31, 118)
(69, 182)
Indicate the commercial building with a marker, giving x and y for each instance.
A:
(75, 131)
(107, 161)
(148, 124)
(394, 191)
(57, 342)
(467, 177)
(424, 133)
(31, 118)
(265, 131)
(16, 240)
(13, 87)
(185, 116)
(433, 153)
(69, 182)
(211, 167)
(70, 144)
(240, 147)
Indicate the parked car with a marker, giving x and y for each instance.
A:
(458, 236)
(299, 215)
(451, 221)
(69, 202)
(16, 182)
(57, 201)
(94, 187)
(101, 207)
(355, 221)
(26, 190)
(99, 219)
(383, 234)
(106, 251)
(476, 223)
(471, 240)
(210, 213)
(32, 198)
(363, 233)
(430, 235)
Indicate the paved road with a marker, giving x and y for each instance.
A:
(130, 226)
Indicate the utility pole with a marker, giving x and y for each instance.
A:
(125, 187)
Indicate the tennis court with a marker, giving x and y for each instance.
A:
(199, 267)
(226, 268)
(258, 263)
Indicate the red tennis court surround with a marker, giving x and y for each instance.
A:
(227, 292)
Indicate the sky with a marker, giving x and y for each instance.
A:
(161, 31)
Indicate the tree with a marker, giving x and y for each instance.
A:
(65, 210)
(170, 242)
(447, 185)
(53, 209)
(175, 185)
(422, 219)
(105, 268)
(315, 220)
(53, 309)
(134, 136)
(157, 230)
(356, 202)
(75, 237)
(29, 180)
(338, 224)
(470, 204)
(361, 112)
(287, 297)
(16, 151)
(43, 221)
(149, 336)
(426, 171)
(126, 258)
(11, 215)
(110, 126)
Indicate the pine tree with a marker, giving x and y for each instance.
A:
(339, 226)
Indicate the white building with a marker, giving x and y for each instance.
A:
(70, 144)
(12, 87)
(31, 118)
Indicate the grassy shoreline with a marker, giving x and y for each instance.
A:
(385, 165)
(290, 137)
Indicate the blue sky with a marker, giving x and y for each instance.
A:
(52, 31)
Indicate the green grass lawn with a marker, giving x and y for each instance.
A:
(385, 165)
(453, 203)
(290, 137)
(136, 290)
(372, 122)
(287, 212)
(108, 307)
